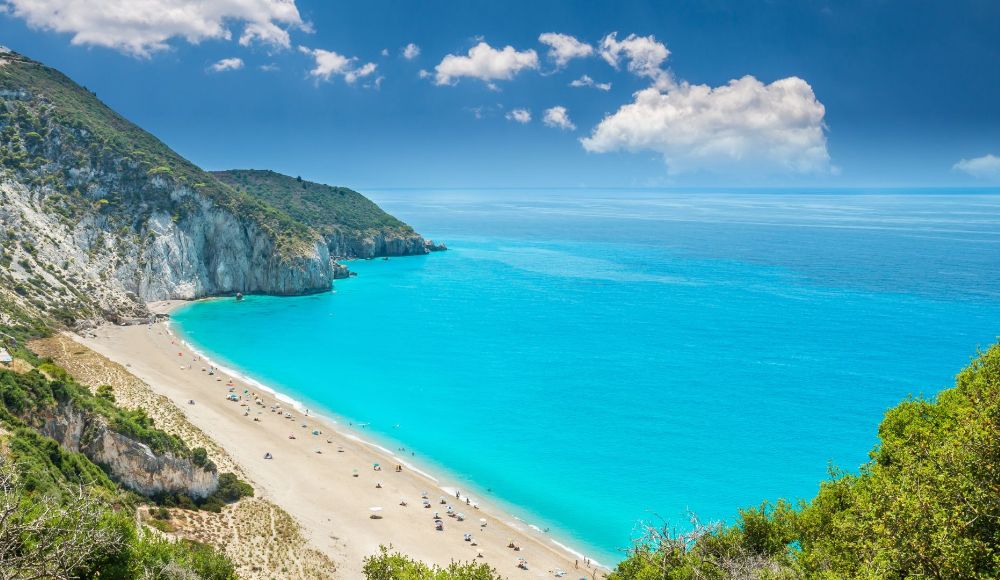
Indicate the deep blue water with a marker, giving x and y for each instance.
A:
(595, 359)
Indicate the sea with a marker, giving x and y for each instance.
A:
(595, 361)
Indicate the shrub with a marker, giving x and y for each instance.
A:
(396, 566)
(106, 392)
(199, 456)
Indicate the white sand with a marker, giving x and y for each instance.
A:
(319, 489)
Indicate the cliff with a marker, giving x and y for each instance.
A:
(98, 217)
(129, 462)
(351, 225)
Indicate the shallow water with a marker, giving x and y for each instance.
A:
(593, 359)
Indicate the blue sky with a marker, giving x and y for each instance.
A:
(853, 93)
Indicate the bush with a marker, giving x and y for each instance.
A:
(152, 557)
(106, 392)
(396, 566)
(199, 456)
(231, 488)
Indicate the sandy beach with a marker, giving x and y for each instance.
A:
(327, 481)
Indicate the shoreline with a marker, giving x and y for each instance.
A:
(540, 549)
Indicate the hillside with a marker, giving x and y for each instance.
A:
(99, 217)
(353, 225)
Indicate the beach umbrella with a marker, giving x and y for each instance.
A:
(482, 522)
(375, 509)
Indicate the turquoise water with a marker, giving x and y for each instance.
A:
(596, 359)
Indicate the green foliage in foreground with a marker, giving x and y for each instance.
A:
(58, 524)
(64, 516)
(927, 504)
(396, 566)
(325, 208)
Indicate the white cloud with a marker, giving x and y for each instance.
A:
(520, 115)
(424, 74)
(558, 117)
(269, 67)
(744, 125)
(564, 48)
(411, 51)
(485, 63)
(985, 167)
(385, 52)
(365, 70)
(329, 64)
(227, 64)
(644, 54)
(142, 27)
(586, 81)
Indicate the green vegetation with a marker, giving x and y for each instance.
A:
(326, 209)
(396, 566)
(66, 517)
(927, 504)
(30, 394)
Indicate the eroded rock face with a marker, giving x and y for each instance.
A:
(114, 268)
(377, 244)
(130, 462)
(214, 252)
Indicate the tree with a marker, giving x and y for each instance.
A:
(52, 536)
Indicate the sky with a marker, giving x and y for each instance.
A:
(462, 94)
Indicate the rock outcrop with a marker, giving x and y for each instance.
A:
(130, 462)
(377, 244)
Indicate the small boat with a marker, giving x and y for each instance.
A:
(239, 296)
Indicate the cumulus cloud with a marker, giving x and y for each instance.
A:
(985, 167)
(485, 63)
(411, 51)
(227, 64)
(363, 71)
(743, 125)
(564, 48)
(586, 81)
(519, 115)
(558, 117)
(142, 27)
(329, 64)
(644, 56)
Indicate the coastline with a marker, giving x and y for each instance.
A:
(152, 353)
